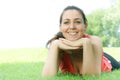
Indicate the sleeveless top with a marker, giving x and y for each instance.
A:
(66, 64)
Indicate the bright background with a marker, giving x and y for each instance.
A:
(31, 23)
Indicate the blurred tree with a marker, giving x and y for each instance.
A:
(105, 23)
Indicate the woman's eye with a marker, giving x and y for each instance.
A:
(78, 22)
(66, 22)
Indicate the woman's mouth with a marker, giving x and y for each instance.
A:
(72, 33)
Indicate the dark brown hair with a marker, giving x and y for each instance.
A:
(59, 34)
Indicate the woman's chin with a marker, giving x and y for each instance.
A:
(72, 39)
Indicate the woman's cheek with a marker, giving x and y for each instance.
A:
(63, 29)
(81, 30)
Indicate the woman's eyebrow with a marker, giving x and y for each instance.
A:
(78, 18)
(75, 19)
(65, 19)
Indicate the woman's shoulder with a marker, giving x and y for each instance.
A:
(92, 37)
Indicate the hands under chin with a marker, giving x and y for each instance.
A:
(64, 44)
(77, 43)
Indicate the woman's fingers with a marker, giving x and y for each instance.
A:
(62, 45)
(76, 43)
(66, 42)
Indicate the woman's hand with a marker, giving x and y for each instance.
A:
(64, 44)
(77, 43)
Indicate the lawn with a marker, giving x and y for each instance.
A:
(27, 63)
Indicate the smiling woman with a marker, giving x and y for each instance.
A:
(74, 51)
(70, 22)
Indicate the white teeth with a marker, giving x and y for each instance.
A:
(72, 33)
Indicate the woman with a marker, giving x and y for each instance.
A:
(74, 51)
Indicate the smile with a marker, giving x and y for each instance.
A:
(72, 33)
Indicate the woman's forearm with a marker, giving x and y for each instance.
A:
(90, 58)
(51, 65)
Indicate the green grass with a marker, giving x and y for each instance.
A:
(20, 71)
(27, 63)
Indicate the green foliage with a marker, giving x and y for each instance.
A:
(105, 23)
(95, 22)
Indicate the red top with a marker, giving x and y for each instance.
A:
(66, 64)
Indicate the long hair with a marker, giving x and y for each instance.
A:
(57, 36)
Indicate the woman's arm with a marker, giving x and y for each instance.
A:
(92, 53)
(51, 65)
(52, 62)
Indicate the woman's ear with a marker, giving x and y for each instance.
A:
(86, 26)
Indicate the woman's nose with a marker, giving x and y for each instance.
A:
(72, 25)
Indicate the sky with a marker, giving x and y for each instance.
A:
(31, 23)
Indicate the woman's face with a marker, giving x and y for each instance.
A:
(72, 25)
